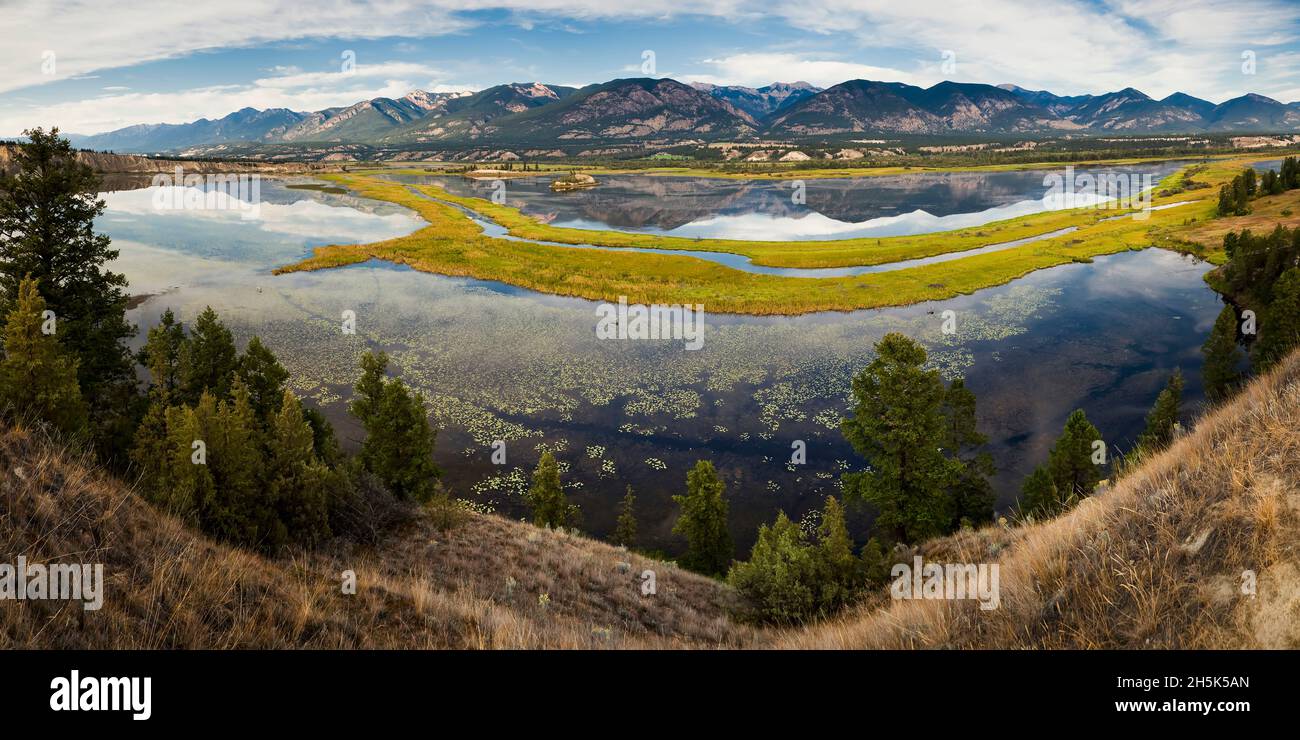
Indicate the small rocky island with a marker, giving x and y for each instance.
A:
(574, 181)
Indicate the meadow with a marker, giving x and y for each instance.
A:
(453, 245)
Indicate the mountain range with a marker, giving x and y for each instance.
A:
(665, 111)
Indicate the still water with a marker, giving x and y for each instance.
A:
(767, 210)
(499, 362)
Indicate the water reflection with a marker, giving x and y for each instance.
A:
(499, 362)
(764, 210)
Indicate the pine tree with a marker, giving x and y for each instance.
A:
(839, 573)
(48, 206)
(189, 483)
(971, 495)
(151, 453)
(399, 440)
(296, 478)
(36, 377)
(625, 529)
(897, 424)
(238, 510)
(1280, 328)
(1222, 357)
(779, 578)
(1039, 495)
(1070, 461)
(370, 388)
(209, 359)
(703, 522)
(264, 376)
(162, 354)
(324, 441)
(1164, 415)
(546, 496)
(876, 563)
(1227, 207)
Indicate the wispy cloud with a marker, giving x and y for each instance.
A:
(1066, 46)
(297, 91)
(758, 69)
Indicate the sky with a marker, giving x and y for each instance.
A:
(90, 66)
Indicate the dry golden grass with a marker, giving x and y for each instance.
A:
(1266, 214)
(476, 586)
(1157, 561)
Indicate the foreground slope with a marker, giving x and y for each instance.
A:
(479, 585)
(1158, 561)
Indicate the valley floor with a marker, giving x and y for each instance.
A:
(453, 245)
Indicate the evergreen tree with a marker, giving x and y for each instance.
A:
(297, 480)
(1164, 415)
(162, 354)
(625, 529)
(546, 496)
(48, 205)
(1070, 461)
(778, 578)
(703, 522)
(1222, 356)
(1039, 495)
(399, 440)
(209, 359)
(36, 377)
(151, 453)
(1280, 328)
(264, 376)
(839, 573)
(324, 442)
(190, 484)
(897, 424)
(370, 388)
(238, 510)
(1227, 207)
(876, 563)
(971, 496)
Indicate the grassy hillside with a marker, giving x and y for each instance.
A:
(476, 586)
(1156, 561)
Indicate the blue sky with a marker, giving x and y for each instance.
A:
(95, 66)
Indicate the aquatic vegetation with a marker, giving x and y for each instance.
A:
(453, 245)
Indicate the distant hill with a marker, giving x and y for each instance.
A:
(1254, 113)
(761, 102)
(664, 111)
(893, 107)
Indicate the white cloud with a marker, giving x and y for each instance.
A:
(757, 70)
(90, 35)
(1065, 46)
(298, 91)
(1159, 46)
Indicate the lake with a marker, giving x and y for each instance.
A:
(765, 210)
(499, 362)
